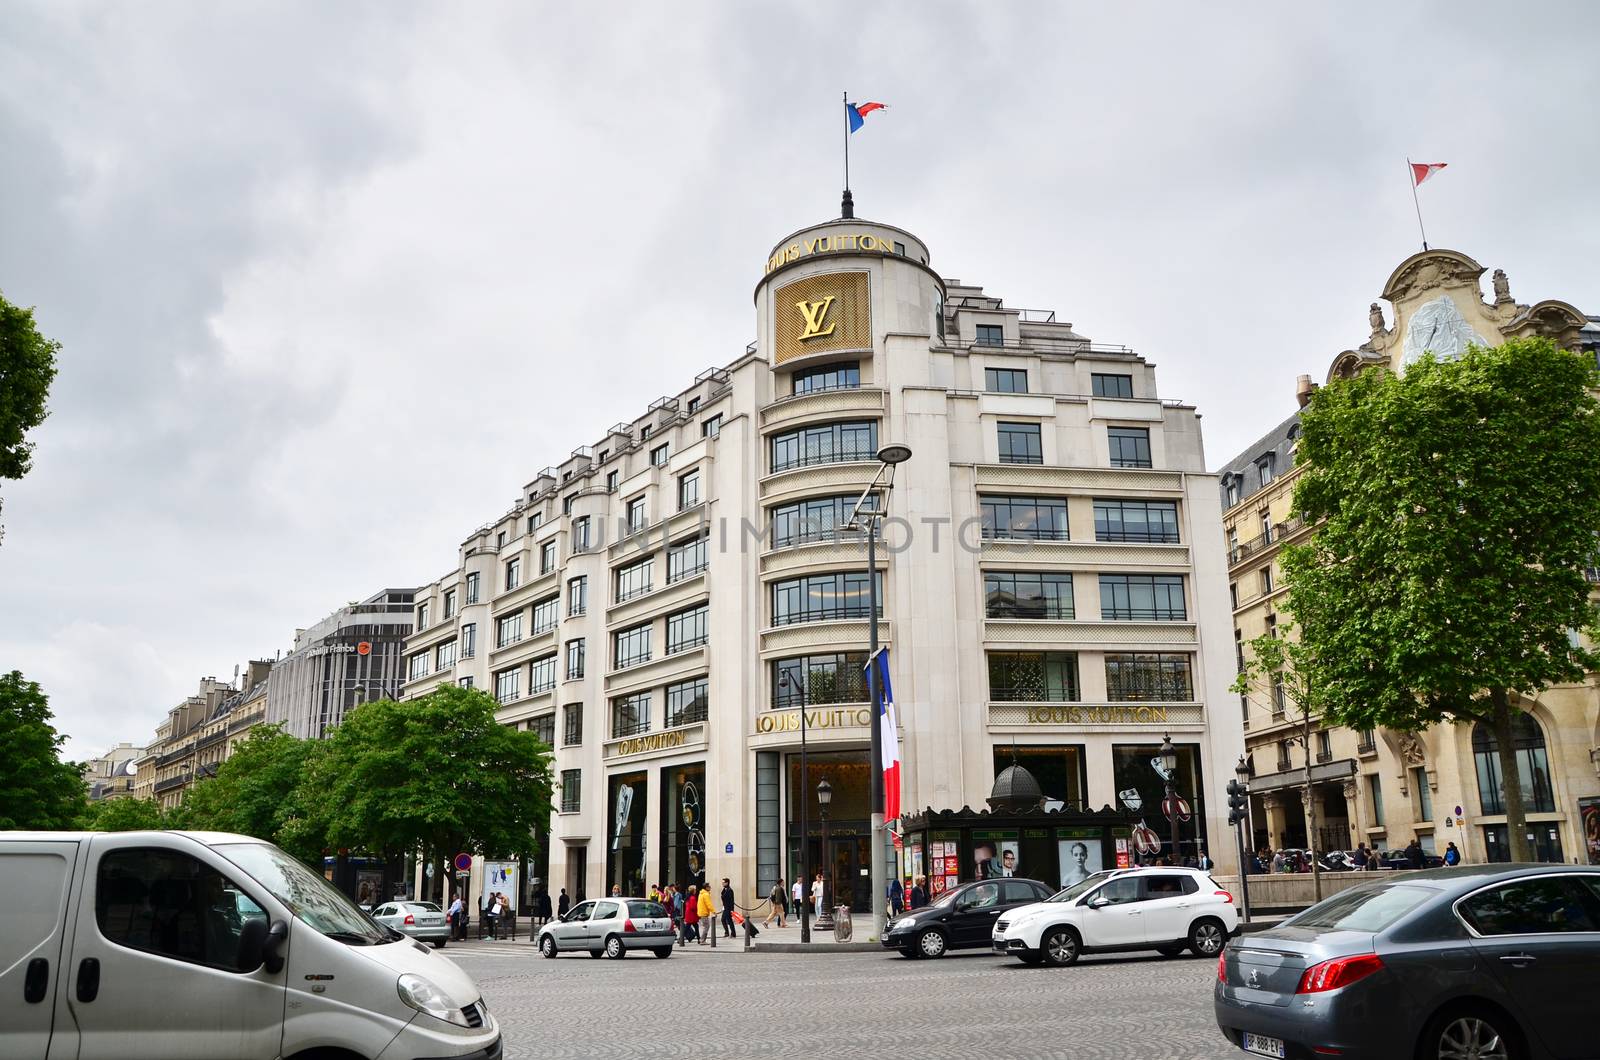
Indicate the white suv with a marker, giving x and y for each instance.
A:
(1158, 909)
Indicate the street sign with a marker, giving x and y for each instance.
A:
(463, 862)
(1458, 811)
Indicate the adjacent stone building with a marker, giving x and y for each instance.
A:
(349, 657)
(111, 775)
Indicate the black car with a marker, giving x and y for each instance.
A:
(961, 918)
(1490, 962)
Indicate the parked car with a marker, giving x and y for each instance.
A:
(156, 945)
(1396, 859)
(612, 927)
(960, 918)
(1163, 909)
(1497, 962)
(423, 921)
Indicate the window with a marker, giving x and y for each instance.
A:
(1375, 792)
(694, 405)
(1266, 579)
(1124, 520)
(1238, 650)
(1232, 489)
(602, 457)
(1142, 598)
(534, 521)
(508, 630)
(472, 587)
(636, 518)
(687, 629)
(571, 791)
(1543, 905)
(580, 534)
(845, 376)
(630, 647)
(547, 557)
(689, 489)
(634, 579)
(822, 597)
(577, 595)
(1422, 804)
(500, 540)
(630, 715)
(658, 455)
(1005, 380)
(1130, 446)
(572, 725)
(686, 702)
(1027, 594)
(168, 903)
(570, 499)
(575, 654)
(445, 655)
(545, 613)
(513, 573)
(991, 335)
(644, 432)
(449, 604)
(711, 427)
(686, 559)
(1534, 768)
(469, 640)
(611, 481)
(828, 444)
(1033, 676)
(423, 616)
(1035, 518)
(816, 679)
(1264, 466)
(1325, 751)
(419, 666)
(818, 519)
(1265, 519)
(1112, 386)
(506, 685)
(1284, 761)
(542, 674)
(544, 727)
(1148, 678)
(1020, 443)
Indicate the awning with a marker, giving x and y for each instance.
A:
(1294, 778)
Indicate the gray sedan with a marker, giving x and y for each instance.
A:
(1488, 962)
(423, 921)
(610, 926)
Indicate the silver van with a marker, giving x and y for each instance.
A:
(200, 945)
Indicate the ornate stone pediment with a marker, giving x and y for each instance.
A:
(1432, 269)
(1550, 319)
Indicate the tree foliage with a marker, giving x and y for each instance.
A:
(262, 790)
(126, 815)
(1460, 503)
(37, 789)
(27, 368)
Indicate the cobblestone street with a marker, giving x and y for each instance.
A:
(727, 1003)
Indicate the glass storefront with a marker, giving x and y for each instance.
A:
(848, 857)
(1058, 769)
(1057, 847)
(627, 821)
(1135, 767)
(1544, 837)
(683, 819)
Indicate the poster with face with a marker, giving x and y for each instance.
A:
(986, 863)
(1589, 811)
(1010, 860)
(1079, 860)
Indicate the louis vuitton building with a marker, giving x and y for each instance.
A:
(662, 603)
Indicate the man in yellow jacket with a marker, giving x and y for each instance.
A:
(708, 917)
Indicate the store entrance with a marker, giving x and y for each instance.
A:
(847, 867)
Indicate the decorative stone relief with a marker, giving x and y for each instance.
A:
(1438, 327)
(1411, 749)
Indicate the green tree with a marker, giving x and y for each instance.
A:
(1461, 502)
(37, 789)
(27, 368)
(436, 772)
(262, 790)
(126, 815)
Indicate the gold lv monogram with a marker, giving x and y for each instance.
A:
(816, 314)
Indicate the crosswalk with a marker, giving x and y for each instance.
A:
(502, 948)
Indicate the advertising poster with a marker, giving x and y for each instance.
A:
(1078, 854)
(995, 855)
(948, 869)
(1589, 815)
(501, 876)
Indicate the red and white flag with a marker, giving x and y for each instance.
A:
(889, 738)
(1421, 171)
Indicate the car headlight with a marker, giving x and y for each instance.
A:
(903, 924)
(423, 996)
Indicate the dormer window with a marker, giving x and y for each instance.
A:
(1265, 467)
(1230, 484)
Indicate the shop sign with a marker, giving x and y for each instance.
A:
(847, 243)
(656, 741)
(1070, 715)
(836, 718)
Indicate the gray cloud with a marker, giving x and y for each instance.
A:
(334, 281)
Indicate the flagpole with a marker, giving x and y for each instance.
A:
(847, 143)
(1410, 173)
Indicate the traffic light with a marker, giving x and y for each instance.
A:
(1237, 793)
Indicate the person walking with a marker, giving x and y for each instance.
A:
(1452, 856)
(727, 908)
(778, 899)
(707, 910)
(919, 892)
(896, 896)
(458, 930)
(691, 915)
(819, 895)
(544, 907)
(563, 904)
(1414, 858)
(679, 916)
(797, 892)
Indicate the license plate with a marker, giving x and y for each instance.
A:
(1261, 1045)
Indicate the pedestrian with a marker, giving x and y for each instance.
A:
(1452, 856)
(544, 907)
(707, 909)
(919, 892)
(678, 920)
(616, 891)
(897, 897)
(691, 915)
(1414, 858)
(458, 930)
(777, 898)
(797, 892)
(1278, 862)
(726, 896)
(563, 903)
(1372, 865)
(819, 894)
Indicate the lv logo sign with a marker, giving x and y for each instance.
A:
(816, 315)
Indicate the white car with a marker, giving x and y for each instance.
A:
(423, 921)
(610, 927)
(1161, 909)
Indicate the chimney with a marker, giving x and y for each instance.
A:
(1303, 389)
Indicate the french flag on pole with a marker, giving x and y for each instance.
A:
(889, 738)
(857, 113)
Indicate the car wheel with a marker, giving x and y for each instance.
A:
(597, 953)
(1475, 1034)
(1060, 947)
(1207, 937)
(1031, 958)
(931, 943)
(547, 946)
(662, 951)
(910, 954)
(614, 948)
(438, 944)
(1170, 951)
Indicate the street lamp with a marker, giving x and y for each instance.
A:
(824, 797)
(797, 687)
(1169, 764)
(888, 456)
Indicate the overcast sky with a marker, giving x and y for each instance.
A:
(333, 284)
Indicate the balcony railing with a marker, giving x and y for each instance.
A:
(827, 613)
(1249, 548)
(171, 783)
(621, 727)
(843, 455)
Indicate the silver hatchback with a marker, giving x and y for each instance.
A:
(423, 921)
(610, 926)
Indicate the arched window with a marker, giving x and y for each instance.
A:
(1534, 767)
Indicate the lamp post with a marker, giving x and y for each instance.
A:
(797, 687)
(1169, 763)
(824, 797)
(888, 456)
(1242, 773)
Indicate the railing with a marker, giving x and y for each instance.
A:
(838, 456)
(1249, 548)
(211, 740)
(1036, 316)
(1132, 461)
(1032, 694)
(687, 644)
(631, 594)
(1011, 533)
(687, 716)
(1365, 745)
(621, 727)
(1291, 525)
(1143, 614)
(782, 700)
(171, 783)
(1324, 756)
(1149, 537)
(832, 613)
(175, 756)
